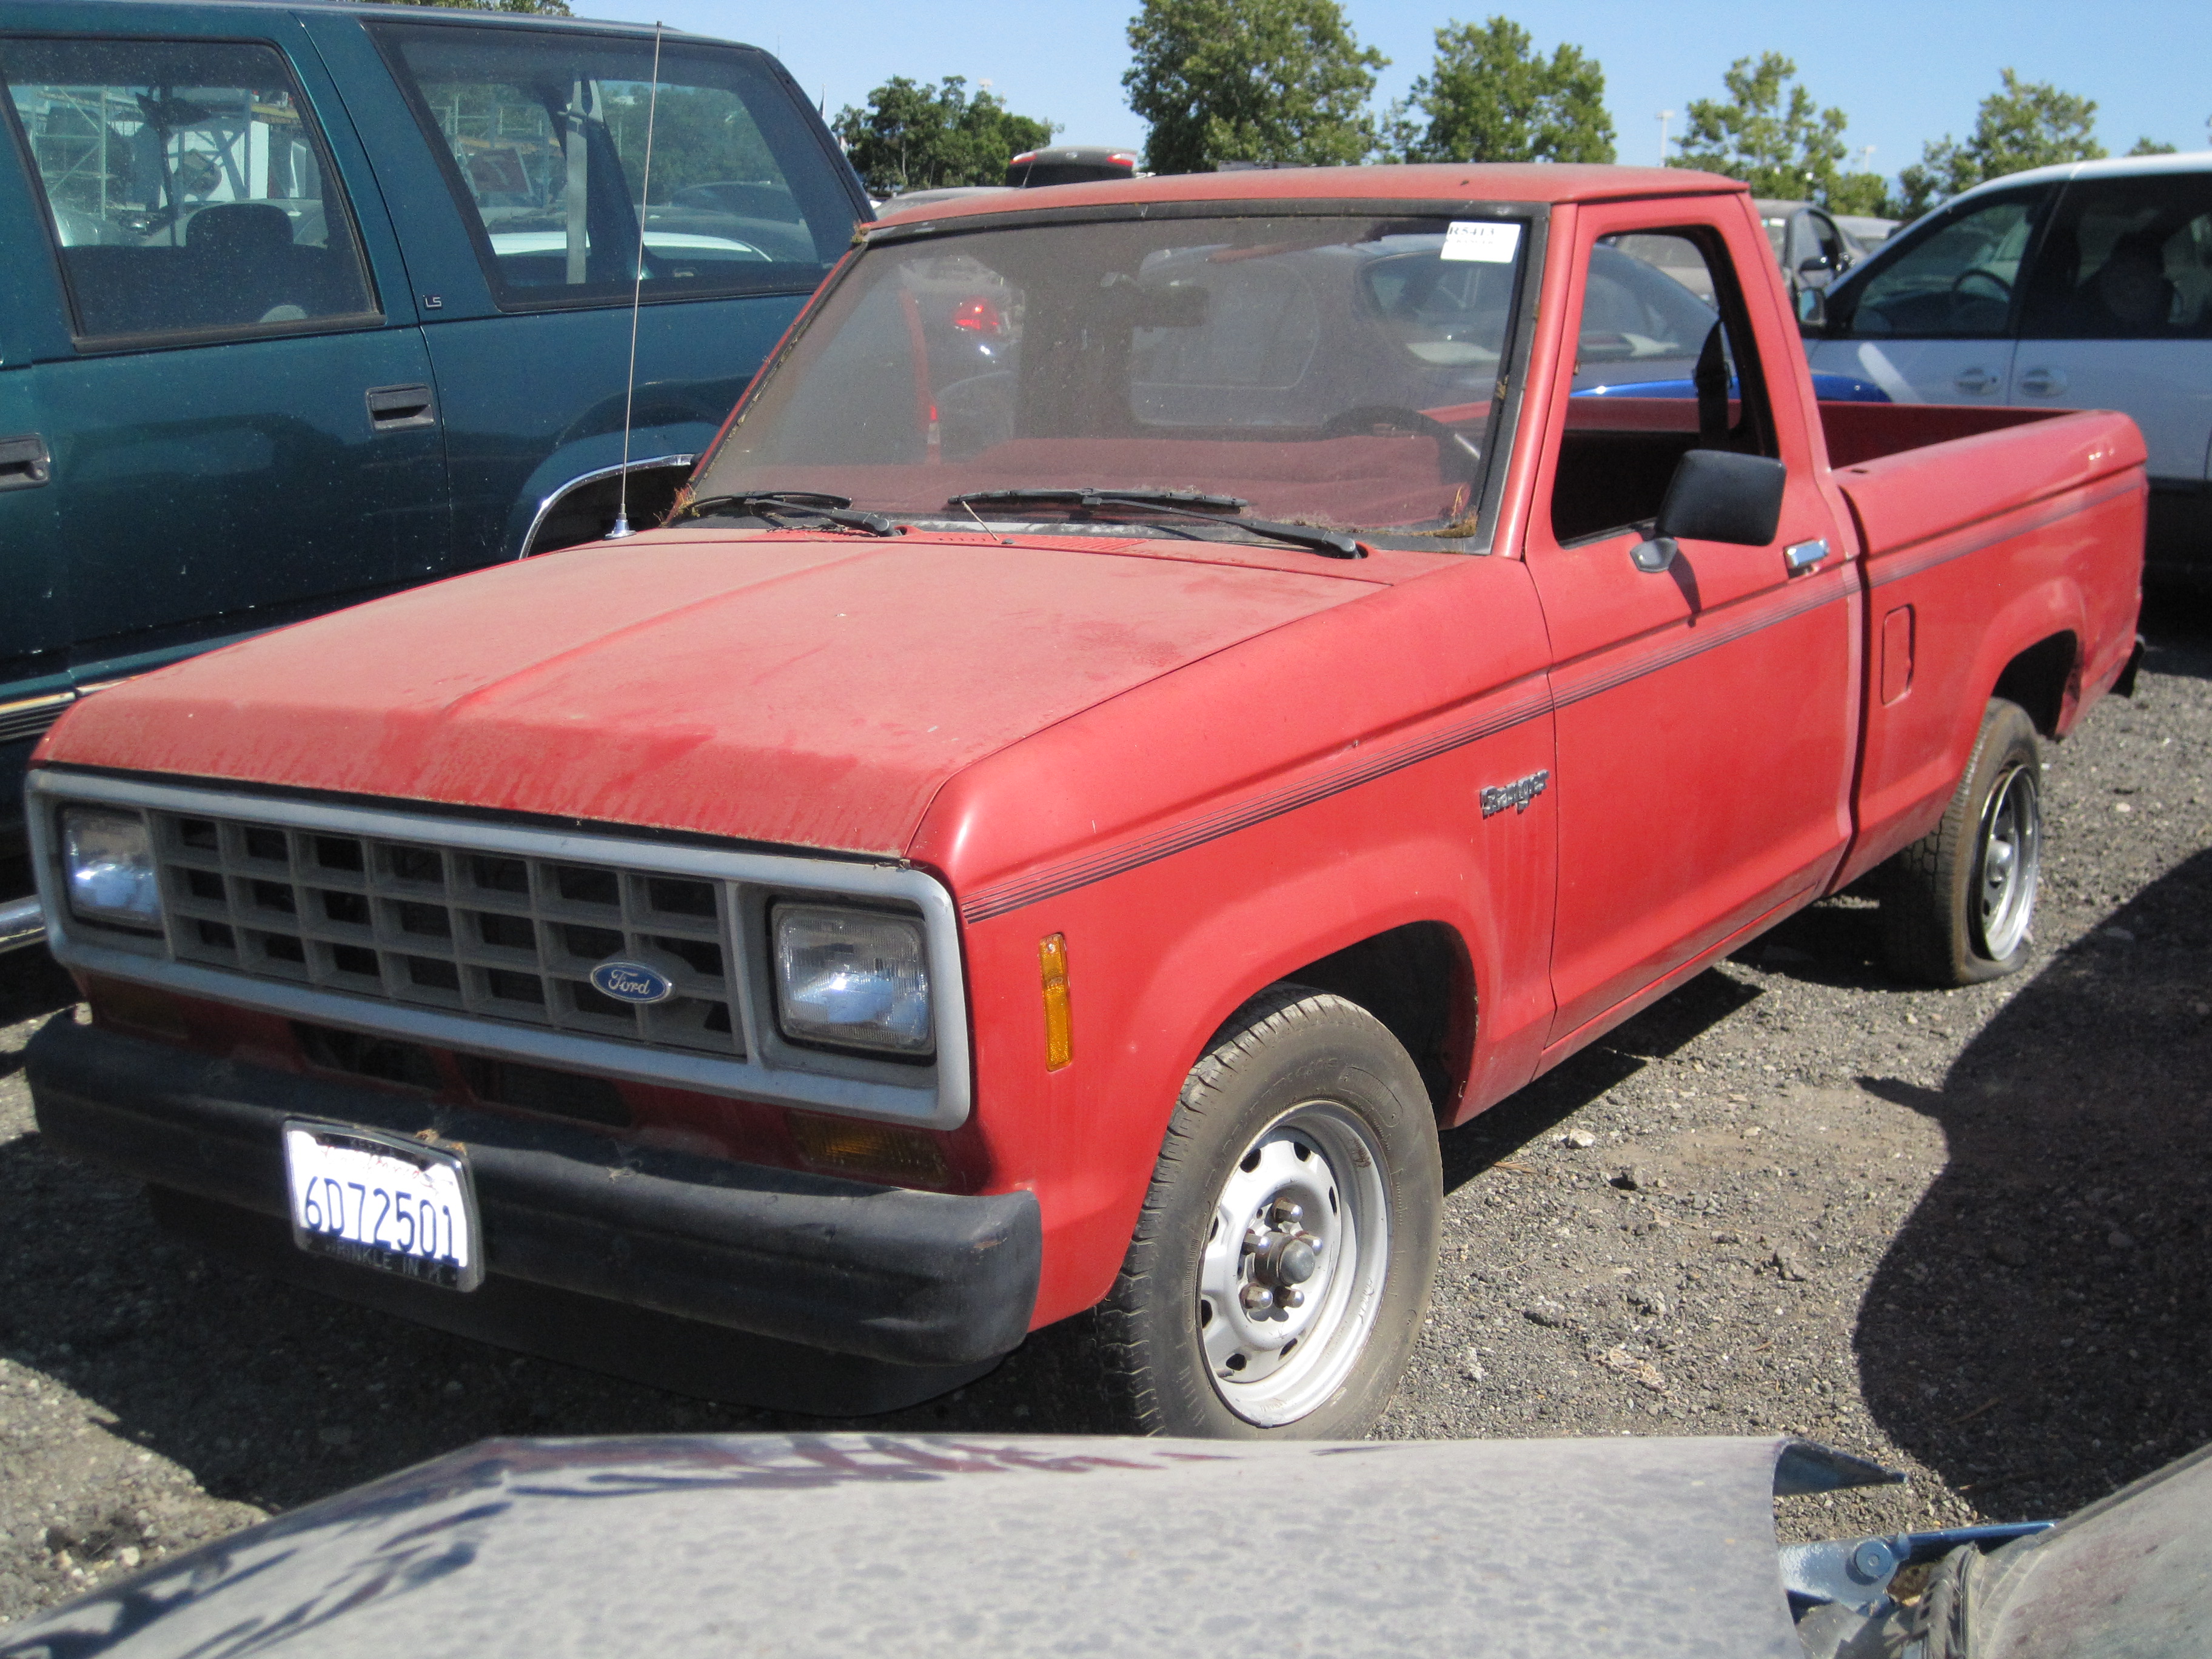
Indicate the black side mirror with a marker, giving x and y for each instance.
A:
(1716, 496)
(1812, 311)
(1814, 266)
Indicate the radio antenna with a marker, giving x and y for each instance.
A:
(637, 294)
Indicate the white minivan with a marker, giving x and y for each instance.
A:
(2086, 286)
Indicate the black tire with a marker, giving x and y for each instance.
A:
(1292, 1067)
(1938, 924)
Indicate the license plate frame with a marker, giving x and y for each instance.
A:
(338, 1166)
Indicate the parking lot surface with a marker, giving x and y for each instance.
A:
(1962, 1232)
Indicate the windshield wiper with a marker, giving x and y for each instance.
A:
(1176, 503)
(777, 507)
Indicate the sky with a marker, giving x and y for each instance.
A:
(1906, 71)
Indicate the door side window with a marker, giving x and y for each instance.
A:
(1663, 365)
(2125, 259)
(187, 188)
(1954, 281)
(542, 137)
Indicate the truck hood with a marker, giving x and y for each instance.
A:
(811, 691)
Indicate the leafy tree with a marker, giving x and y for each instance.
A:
(1862, 193)
(1490, 96)
(1768, 133)
(1250, 80)
(912, 138)
(533, 8)
(2152, 147)
(2024, 123)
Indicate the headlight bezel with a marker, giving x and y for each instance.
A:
(84, 825)
(876, 1039)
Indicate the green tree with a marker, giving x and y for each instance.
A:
(2152, 147)
(1250, 80)
(1491, 96)
(2023, 124)
(533, 8)
(915, 137)
(1860, 192)
(1768, 133)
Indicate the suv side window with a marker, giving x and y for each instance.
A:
(187, 188)
(543, 137)
(1662, 365)
(2125, 259)
(1953, 281)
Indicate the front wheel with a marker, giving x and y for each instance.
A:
(1959, 902)
(1280, 1269)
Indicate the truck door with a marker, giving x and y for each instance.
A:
(1929, 319)
(1705, 719)
(521, 153)
(33, 622)
(245, 433)
(2117, 313)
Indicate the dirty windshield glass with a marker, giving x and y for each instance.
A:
(1332, 372)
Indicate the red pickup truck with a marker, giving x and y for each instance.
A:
(1165, 696)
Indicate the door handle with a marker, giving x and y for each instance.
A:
(2044, 382)
(1802, 557)
(25, 462)
(390, 408)
(1975, 380)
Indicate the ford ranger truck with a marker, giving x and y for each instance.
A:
(1163, 696)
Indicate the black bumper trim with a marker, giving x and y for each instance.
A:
(908, 1278)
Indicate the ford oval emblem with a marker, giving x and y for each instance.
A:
(631, 981)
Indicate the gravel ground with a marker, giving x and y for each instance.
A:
(1961, 1232)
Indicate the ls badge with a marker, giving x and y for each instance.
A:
(1516, 794)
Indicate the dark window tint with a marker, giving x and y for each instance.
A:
(544, 137)
(1953, 281)
(187, 188)
(2125, 259)
(1661, 366)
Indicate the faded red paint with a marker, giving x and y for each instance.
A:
(1208, 766)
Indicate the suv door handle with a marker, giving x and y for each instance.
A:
(25, 462)
(1975, 380)
(2044, 382)
(392, 407)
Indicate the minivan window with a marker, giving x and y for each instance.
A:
(1954, 283)
(187, 188)
(2125, 259)
(543, 136)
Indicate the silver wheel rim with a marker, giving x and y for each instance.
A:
(1290, 1278)
(2007, 864)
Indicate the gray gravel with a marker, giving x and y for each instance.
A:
(1961, 1232)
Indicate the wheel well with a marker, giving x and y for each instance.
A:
(1417, 980)
(2042, 680)
(584, 510)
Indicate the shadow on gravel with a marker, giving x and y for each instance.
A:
(32, 983)
(2040, 1330)
(2177, 626)
(1668, 1025)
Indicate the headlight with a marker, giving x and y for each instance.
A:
(856, 978)
(108, 859)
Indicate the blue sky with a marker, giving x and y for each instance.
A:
(1904, 72)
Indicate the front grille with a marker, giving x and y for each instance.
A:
(498, 935)
(30, 716)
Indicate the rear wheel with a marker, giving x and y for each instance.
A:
(1959, 904)
(1280, 1269)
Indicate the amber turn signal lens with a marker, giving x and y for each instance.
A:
(1059, 1022)
(881, 1149)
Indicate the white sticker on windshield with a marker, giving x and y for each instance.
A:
(1490, 241)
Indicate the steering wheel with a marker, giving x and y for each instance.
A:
(1368, 420)
(2004, 287)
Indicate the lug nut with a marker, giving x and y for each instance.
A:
(1293, 1298)
(1256, 1298)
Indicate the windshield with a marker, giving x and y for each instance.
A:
(1329, 371)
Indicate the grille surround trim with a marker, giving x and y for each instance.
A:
(935, 1094)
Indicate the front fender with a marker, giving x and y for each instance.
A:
(1158, 958)
(599, 455)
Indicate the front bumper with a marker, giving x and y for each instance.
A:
(906, 1278)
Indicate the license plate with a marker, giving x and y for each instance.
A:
(384, 1201)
